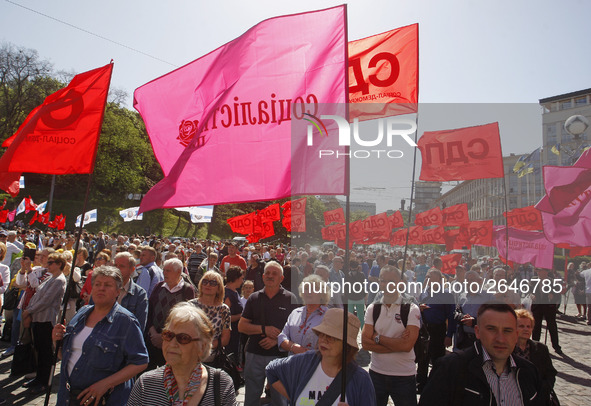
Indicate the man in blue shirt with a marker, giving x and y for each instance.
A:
(148, 274)
(133, 297)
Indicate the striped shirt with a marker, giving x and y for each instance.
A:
(504, 387)
(149, 389)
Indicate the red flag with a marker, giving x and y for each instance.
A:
(525, 218)
(9, 181)
(43, 218)
(298, 223)
(3, 216)
(328, 233)
(462, 154)
(356, 233)
(34, 218)
(434, 235)
(334, 216)
(384, 68)
(61, 135)
(455, 215)
(60, 222)
(576, 251)
(453, 242)
(477, 232)
(377, 228)
(414, 237)
(29, 204)
(429, 218)
(11, 215)
(396, 220)
(242, 224)
(271, 213)
(298, 206)
(450, 262)
(399, 238)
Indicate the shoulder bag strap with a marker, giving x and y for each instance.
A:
(334, 389)
(217, 387)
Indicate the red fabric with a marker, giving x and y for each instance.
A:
(11, 215)
(461, 154)
(3, 216)
(271, 213)
(579, 251)
(377, 228)
(429, 218)
(9, 181)
(450, 262)
(434, 235)
(396, 220)
(384, 68)
(3, 205)
(399, 238)
(298, 206)
(61, 135)
(504, 261)
(243, 224)
(356, 233)
(34, 218)
(455, 215)
(414, 237)
(29, 204)
(452, 242)
(334, 216)
(477, 233)
(328, 233)
(524, 218)
(43, 218)
(294, 222)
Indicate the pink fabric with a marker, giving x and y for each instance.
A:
(209, 149)
(564, 184)
(524, 246)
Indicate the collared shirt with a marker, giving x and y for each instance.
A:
(124, 291)
(298, 328)
(176, 287)
(504, 388)
(145, 280)
(115, 342)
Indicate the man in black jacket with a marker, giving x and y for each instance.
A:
(487, 373)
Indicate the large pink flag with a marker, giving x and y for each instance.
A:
(564, 183)
(524, 246)
(231, 111)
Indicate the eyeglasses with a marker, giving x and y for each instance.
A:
(210, 282)
(51, 262)
(181, 338)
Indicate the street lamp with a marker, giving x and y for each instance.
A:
(576, 126)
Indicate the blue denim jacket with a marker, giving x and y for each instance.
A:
(115, 342)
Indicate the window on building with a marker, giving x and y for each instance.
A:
(581, 101)
(566, 104)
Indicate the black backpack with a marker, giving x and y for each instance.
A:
(422, 344)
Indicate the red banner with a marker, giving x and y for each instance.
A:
(377, 228)
(396, 220)
(455, 215)
(461, 154)
(477, 233)
(334, 216)
(450, 262)
(328, 233)
(61, 135)
(356, 233)
(452, 242)
(414, 237)
(242, 224)
(270, 213)
(29, 204)
(429, 218)
(384, 68)
(576, 251)
(525, 218)
(399, 238)
(434, 235)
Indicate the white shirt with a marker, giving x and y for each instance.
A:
(175, 288)
(10, 249)
(316, 386)
(77, 343)
(587, 275)
(390, 325)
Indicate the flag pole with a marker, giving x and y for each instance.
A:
(347, 216)
(69, 286)
(78, 235)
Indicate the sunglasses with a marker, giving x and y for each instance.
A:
(181, 338)
(210, 282)
(51, 262)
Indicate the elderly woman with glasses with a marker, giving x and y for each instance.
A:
(103, 347)
(184, 380)
(210, 298)
(305, 378)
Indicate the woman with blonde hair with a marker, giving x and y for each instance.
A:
(210, 298)
(184, 380)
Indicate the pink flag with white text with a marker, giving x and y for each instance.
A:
(524, 246)
(232, 110)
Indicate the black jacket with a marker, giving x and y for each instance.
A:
(458, 379)
(540, 357)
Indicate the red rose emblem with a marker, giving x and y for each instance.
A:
(187, 131)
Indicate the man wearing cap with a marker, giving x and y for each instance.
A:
(263, 319)
(391, 339)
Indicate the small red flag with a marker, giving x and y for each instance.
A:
(461, 154)
(414, 237)
(243, 224)
(450, 262)
(396, 220)
(334, 216)
(34, 218)
(384, 68)
(377, 228)
(61, 135)
(455, 215)
(434, 235)
(399, 238)
(524, 218)
(452, 242)
(29, 204)
(356, 231)
(271, 213)
(429, 218)
(3, 216)
(477, 233)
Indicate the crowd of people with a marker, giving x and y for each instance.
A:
(146, 318)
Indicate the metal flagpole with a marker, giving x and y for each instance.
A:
(347, 219)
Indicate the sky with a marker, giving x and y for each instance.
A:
(469, 51)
